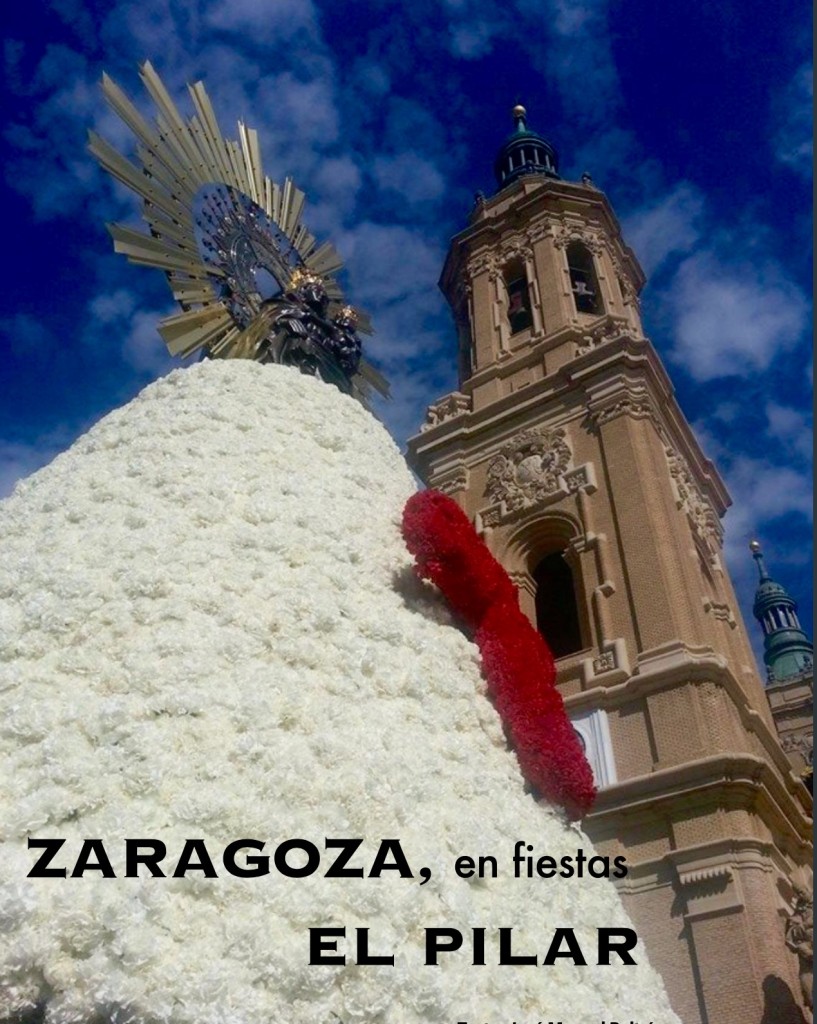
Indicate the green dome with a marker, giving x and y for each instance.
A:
(524, 152)
(787, 650)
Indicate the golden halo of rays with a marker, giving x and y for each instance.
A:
(176, 157)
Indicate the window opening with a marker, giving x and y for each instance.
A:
(583, 280)
(516, 284)
(557, 612)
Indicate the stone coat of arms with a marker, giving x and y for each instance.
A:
(528, 468)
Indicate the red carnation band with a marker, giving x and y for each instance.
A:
(516, 660)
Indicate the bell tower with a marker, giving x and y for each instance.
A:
(566, 445)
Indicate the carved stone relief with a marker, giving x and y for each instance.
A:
(453, 482)
(605, 662)
(721, 611)
(702, 517)
(518, 252)
(528, 468)
(800, 940)
(628, 292)
(483, 261)
(541, 229)
(611, 662)
(580, 477)
(799, 743)
(491, 516)
(563, 235)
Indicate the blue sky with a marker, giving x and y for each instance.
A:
(694, 118)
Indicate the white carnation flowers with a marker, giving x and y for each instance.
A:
(209, 630)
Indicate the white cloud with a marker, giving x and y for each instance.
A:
(792, 428)
(764, 492)
(670, 225)
(338, 181)
(113, 306)
(303, 111)
(574, 18)
(415, 179)
(405, 412)
(295, 110)
(732, 320)
(472, 39)
(793, 143)
(116, 317)
(143, 347)
(569, 41)
(264, 19)
(51, 166)
(389, 262)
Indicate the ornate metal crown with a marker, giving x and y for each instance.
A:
(230, 240)
(300, 277)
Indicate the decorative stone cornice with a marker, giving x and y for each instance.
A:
(736, 854)
(729, 779)
(448, 408)
(692, 877)
(635, 402)
(453, 482)
(663, 668)
(611, 329)
(541, 229)
(706, 882)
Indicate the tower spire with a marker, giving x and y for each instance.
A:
(524, 152)
(787, 651)
(757, 554)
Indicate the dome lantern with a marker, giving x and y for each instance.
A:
(524, 152)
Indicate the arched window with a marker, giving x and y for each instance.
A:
(583, 281)
(516, 284)
(557, 612)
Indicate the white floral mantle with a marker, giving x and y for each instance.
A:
(210, 629)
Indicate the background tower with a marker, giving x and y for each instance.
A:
(566, 445)
(788, 655)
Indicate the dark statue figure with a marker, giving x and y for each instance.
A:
(301, 332)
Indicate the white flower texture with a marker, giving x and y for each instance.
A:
(209, 628)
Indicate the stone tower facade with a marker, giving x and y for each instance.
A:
(567, 447)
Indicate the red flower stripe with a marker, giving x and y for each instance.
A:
(515, 657)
